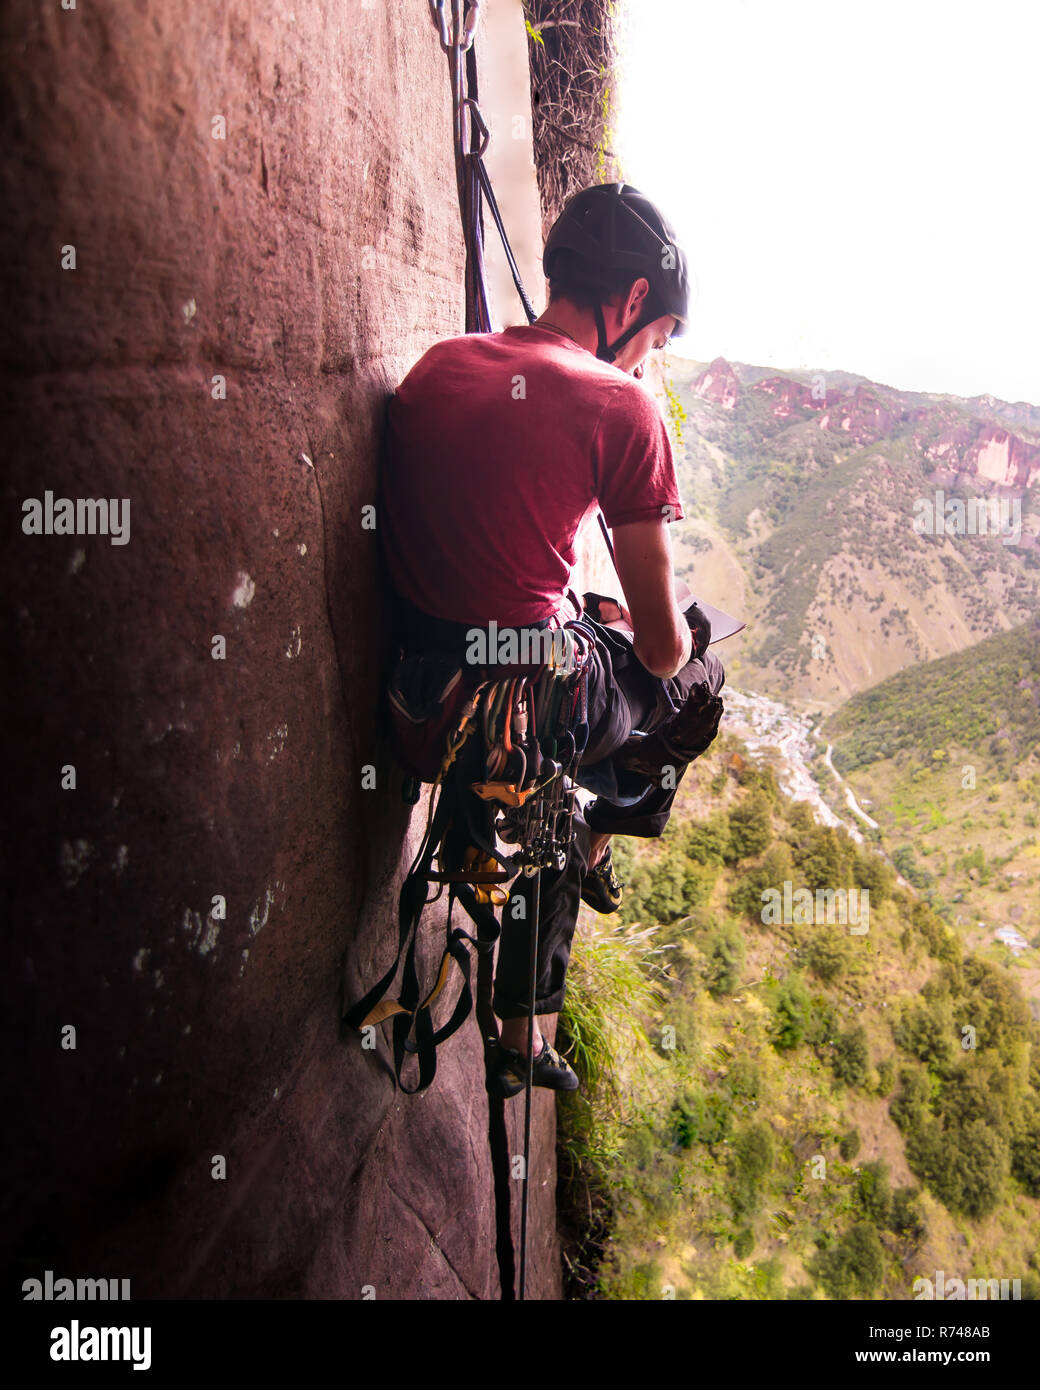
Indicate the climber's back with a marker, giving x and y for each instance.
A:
(498, 447)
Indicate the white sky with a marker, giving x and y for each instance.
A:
(856, 183)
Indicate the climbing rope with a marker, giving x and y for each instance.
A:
(541, 807)
(470, 138)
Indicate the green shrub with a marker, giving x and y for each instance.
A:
(827, 954)
(696, 1118)
(791, 1013)
(750, 827)
(926, 1031)
(639, 1284)
(751, 1159)
(763, 778)
(965, 1167)
(906, 1218)
(824, 858)
(875, 1192)
(851, 1057)
(709, 843)
(849, 1145)
(724, 950)
(856, 1264)
(752, 881)
(744, 1079)
(743, 1243)
(872, 873)
(1025, 1145)
(754, 1151)
(911, 1106)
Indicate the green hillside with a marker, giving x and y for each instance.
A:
(789, 1109)
(946, 756)
(984, 700)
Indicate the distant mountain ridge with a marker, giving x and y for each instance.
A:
(809, 495)
(865, 411)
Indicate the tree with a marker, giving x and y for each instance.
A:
(926, 1030)
(851, 1058)
(791, 1013)
(855, 1265)
(754, 1151)
(725, 954)
(872, 873)
(875, 1192)
(906, 1218)
(1025, 1145)
(709, 843)
(750, 827)
(848, 1145)
(983, 1163)
(753, 1155)
(911, 1107)
(827, 954)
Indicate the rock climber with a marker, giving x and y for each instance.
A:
(500, 447)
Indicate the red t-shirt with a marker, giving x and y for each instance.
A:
(499, 446)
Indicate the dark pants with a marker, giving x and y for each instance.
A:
(623, 696)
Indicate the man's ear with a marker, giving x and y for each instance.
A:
(633, 304)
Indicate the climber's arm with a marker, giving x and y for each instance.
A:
(661, 635)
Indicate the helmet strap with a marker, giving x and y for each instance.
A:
(651, 311)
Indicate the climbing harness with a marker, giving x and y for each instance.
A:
(507, 755)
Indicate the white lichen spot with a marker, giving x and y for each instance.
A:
(278, 1088)
(303, 547)
(244, 590)
(242, 967)
(236, 751)
(119, 862)
(141, 960)
(157, 979)
(74, 858)
(158, 1075)
(187, 1029)
(209, 939)
(275, 531)
(260, 912)
(277, 740)
(77, 561)
(295, 643)
(192, 922)
(189, 310)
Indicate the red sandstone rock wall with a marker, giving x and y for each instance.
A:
(262, 209)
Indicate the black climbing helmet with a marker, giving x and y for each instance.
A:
(614, 227)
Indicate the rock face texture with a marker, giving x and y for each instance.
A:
(234, 229)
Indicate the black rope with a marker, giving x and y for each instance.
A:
(498, 1142)
(474, 189)
(478, 189)
(536, 894)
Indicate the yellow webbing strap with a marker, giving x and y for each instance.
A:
(386, 1008)
(507, 792)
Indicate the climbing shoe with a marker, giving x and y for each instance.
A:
(550, 1070)
(600, 887)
